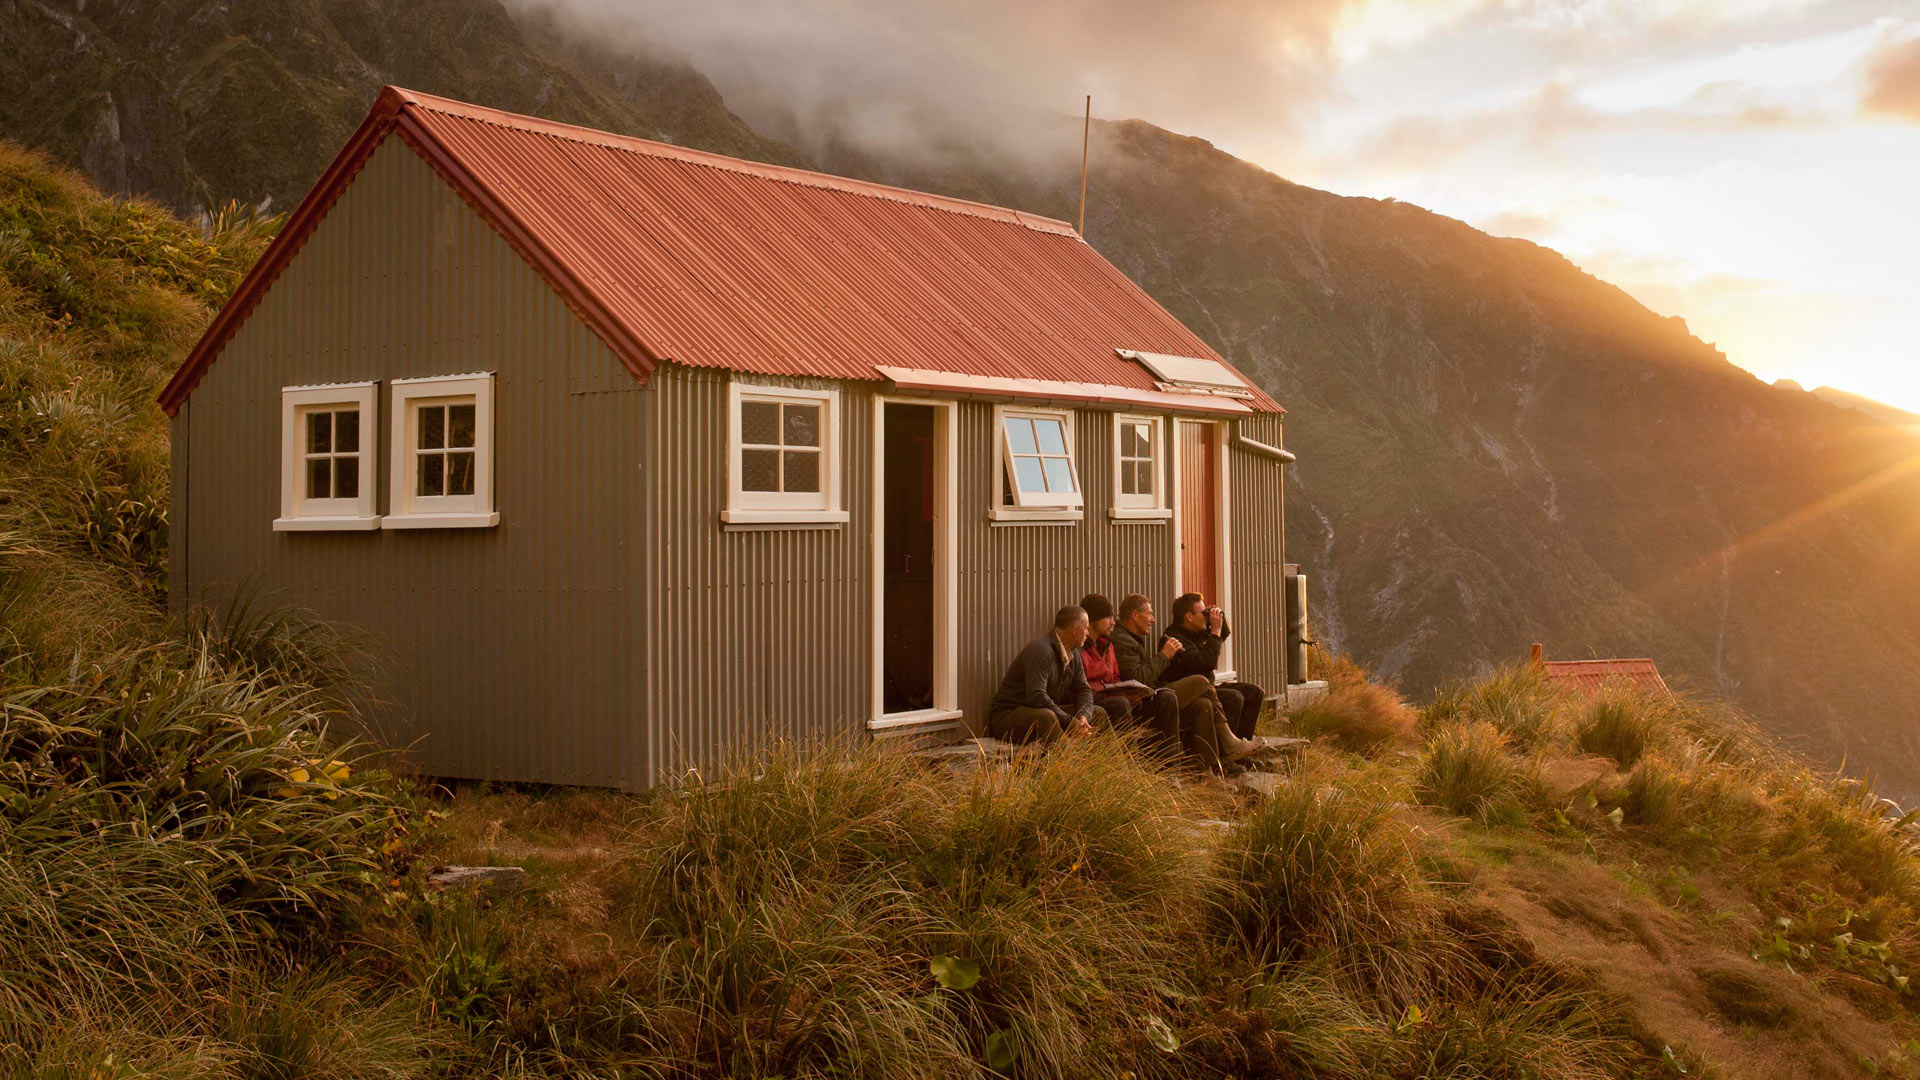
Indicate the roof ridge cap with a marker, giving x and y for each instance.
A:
(785, 173)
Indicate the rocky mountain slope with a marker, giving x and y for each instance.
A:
(1495, 447)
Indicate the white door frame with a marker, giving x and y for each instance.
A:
(1222, 534)
(946, 575)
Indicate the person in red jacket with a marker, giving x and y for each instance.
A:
(1103, 667)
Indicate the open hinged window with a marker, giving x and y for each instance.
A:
(1037, 472)
(326, 458)
(783, 456)
(1139, 486)
(441, 473)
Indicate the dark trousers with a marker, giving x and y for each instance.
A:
(1241, 703)
(1027, 725)
(1187, 710)
(1120, 712)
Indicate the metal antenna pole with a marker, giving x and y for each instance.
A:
(1086, 132)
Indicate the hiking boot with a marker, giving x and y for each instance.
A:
(1233, 747)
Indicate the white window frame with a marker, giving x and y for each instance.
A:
(1027, 508)
(785, 508)
(1150, 507)
(410, 510)
(299, 513)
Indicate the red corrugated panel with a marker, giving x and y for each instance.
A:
(675, 254)
(1592, 676)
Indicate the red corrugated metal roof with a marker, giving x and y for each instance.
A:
(1592, 676)
(672, 254)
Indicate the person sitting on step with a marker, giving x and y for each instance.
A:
(1044, 695)
(1188, 701)
(1201, 631)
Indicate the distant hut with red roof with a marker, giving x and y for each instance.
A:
(1593, 676)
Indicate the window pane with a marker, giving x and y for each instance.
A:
(319, 432)
(803, 470)
(460, 473)
(1053, 436)
(1143, 478)
(1028, 474)
(460, 425)
(760, 424)
(433, 427)
(1020, 435)
(346, 477)
(346, 431)
(432, 474)
(319, 479)
(1059, 474)
(803, 425)
(760, 470)
(1129, 479)
(1133, 441)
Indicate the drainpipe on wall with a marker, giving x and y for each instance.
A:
(1284, 457)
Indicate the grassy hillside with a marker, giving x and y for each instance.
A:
(177, 825)
(1496, 448)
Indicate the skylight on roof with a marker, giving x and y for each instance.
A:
(1190, 373)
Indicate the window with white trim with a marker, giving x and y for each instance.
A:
(1036, 458)
(326, 458)
(783, 455)
(1138, 476)
(441, 472)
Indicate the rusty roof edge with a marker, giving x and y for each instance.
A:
(580, 298)
(807, 177)
(300, 224)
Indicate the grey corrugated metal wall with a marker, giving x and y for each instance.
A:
(752, 635)
(514, 650)
(1013, 577)
(1259, 555)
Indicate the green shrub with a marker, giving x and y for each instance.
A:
(1622, 724)
(160, 745)
(157, 818)
(1466, 769)
(1363, 717)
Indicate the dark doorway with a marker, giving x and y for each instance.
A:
(907, 553)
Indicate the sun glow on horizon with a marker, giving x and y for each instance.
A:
(1750, 167)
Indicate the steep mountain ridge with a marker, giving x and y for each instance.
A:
(1495, 447)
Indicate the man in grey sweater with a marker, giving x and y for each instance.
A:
(1045, 695)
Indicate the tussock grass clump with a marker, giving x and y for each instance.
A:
(1623, 724)
(1324, 868)
(1364, 718)
(1468, 770)
(1532, 1027)
(800, 907)
(1516, 699)
(1336, 669)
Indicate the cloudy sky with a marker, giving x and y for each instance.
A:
(1751, 165)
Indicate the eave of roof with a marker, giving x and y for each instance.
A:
(420, 120)
(992, 387)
